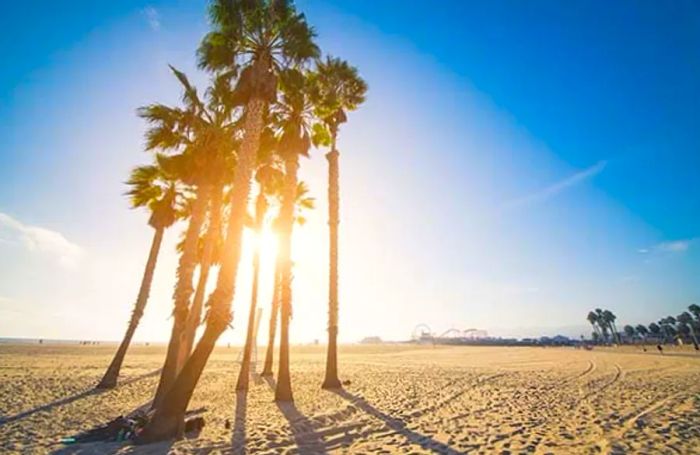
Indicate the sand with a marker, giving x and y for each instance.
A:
(401, 399)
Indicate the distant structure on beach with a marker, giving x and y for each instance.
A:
(371, 340)
(422, 334)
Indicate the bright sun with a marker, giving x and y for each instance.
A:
(268, 246)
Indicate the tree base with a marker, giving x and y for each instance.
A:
(266, 373)
(331, 384)
(106, 384)
(165, 428)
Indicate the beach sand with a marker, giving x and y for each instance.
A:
(401, 399)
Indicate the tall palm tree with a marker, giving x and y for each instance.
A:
(203, 146)
(266, 175)
(295, 117)
(338, 88)
(686, 319)
(304, 202)
(220, 170)
(152, 188)
(257, 37)
(208, 256)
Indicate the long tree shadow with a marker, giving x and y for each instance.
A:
(398, 425)
(70, 399)
(238, 439)
(307, 439)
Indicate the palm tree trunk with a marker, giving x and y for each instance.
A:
(692, 335)
(283, 391)
(331, 380)
(109, 380)
(182, 294)
(616, 335)
(169, 414)
(244, 373)
(274, 313)
(194, 316)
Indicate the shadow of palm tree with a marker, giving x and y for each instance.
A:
(49, 406)
(307, 439)
(270, 382)
(71, 399)
(398, 425)
(238, 439)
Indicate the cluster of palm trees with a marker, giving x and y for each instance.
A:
(683, 327)
(603, 322)
(271, 98)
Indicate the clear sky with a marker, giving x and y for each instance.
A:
(516, 164)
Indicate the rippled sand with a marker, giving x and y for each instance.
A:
(401, 399)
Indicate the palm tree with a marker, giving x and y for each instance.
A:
(220, 170)
(687, 320)
(643, 332)
(338, 88)
(155, 190)
(203, 140)
(695, 311)
(208, 256)
(593, 320)
(257, 37)
(629, 332)
(295, 119)
(602, 323)
(655, 330)
(304, 202)
(668, 328)
(609, 319)
(267, 175)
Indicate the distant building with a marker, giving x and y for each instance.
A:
(371, 340)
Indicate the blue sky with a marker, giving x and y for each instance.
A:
(516, 164)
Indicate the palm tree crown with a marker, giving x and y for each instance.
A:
(337, 88)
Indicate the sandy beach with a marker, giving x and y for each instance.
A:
(400, 399)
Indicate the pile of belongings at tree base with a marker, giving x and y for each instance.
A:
(128, 428)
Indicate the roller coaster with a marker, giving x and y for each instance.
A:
(423, 334)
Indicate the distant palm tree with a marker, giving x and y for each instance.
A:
(259, 37)
(630, 332)
(642, 331)
(152, 188)
(338, 88)
(687, 320)
(694, 310)
(655, 330)
(668, 328)
(602, 323)
(593, 320)
(304, 202)
(609, 317)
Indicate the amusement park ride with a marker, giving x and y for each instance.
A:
(422, 334)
